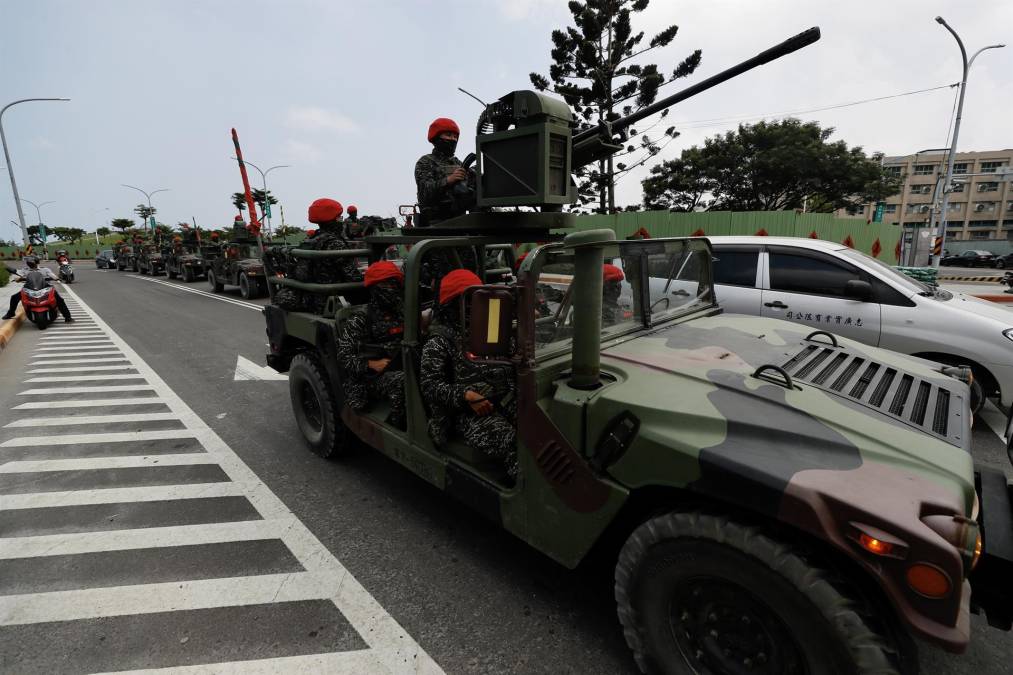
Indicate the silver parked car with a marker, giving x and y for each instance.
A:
(838, 289)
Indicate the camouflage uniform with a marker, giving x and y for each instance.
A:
(335, 271)
(436, 199)
(380, 327)
(611, 312)
(445, 377)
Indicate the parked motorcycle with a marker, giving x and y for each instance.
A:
(66, 269)
(39, 300)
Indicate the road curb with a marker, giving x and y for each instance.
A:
(996, 298)
(10, 327)
(949, 277)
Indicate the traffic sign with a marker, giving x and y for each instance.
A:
(877, 217)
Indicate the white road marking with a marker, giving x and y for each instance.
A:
(94, 463)
(390, 647)
(81, 378)
(150, 537)
(90, 419)
(74, 439)
(147, 493)
(248, 370)
(361, 662)
(85, 390)
(61, 355)
(49, 362)
(74, 332)
(73, 348)
(179, 287)
(86, 403)
(995, 420)
(77, 369)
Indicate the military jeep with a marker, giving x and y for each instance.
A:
(183, 261)
(238, 264)
(147, 259)
(124, 255)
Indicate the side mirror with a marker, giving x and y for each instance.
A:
(858, 290)
(491, 323)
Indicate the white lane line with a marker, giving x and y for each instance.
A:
(149, 493)
(73, 348)
(178, 287)
(86, 403)
(80, 378)
(327, 577)
(74, 439)
(175, 595)
(95, 463)
(71, 420)
(360, 662)
(67, 335)
(75, 543)
(45, 391)
(50, 362)
(61, 355)
(995, 420)
(78, 369)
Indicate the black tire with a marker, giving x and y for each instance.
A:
(1000, 264)
(188, 274)
(702, 593)
(213, 282)
(247, 288)
(172, 275)
(42, 321)
(262, 289)
(315, 407)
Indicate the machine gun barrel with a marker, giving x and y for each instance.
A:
(586, 138)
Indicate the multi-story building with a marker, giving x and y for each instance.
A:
(980, 207)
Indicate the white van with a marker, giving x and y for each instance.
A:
(836, 288)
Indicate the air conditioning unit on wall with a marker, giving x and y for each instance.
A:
(924, 208)
(979, 207)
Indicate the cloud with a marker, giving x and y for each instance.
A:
(301, 151)
(43, 143)
(312, 118)
(518, 10)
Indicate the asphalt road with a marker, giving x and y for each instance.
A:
(226, 541)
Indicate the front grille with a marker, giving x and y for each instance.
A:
(917, 402)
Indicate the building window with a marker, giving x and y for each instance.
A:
(954, 224)
(981, 235)
(893, 170)
(955, 206)
(921, 189)
(991, 167)
(957, 187)
(983, 223)
(924, 169)
(988, 187)
(960, 167)
(1007, 224)
(918, 208)
(1009, 206)
(892, 208)
(983, 207)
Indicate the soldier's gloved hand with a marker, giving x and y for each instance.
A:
(378, 365)
(456, 176)
(480, 405)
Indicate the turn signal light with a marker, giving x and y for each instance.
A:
(977, 551)
(928, 580)
(873, 545)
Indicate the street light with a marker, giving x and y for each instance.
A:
(42, 228)
(104, 208)
(10, 167)
(263, 177)
(148, 195)
(947, 183)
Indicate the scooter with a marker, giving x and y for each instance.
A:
(66, 269)
(39, 300)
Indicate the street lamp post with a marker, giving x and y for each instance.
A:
(263, 178)
(42, 228)
(948, 182)
(148, 195)
(10, 167)
(104, 208)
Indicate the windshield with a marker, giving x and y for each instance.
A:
(887, 272)
(642, 284)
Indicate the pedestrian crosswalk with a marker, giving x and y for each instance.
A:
(133, 539)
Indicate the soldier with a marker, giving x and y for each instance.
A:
(611, 312)
(369, 344)
(441, 179)
(475, 399)
(353, 228)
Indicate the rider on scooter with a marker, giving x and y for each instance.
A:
(33, 268)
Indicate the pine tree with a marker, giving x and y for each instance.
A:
(596, 68)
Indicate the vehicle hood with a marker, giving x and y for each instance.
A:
(968, 303)
(692, 386)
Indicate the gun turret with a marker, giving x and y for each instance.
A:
(527, 150)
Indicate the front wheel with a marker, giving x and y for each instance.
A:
(188, 274)
(315, 407)
(172, 274)
(247, 287)
(213, 282)
(699, 593)
(999, 264)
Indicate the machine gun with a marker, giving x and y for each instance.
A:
(527, 148)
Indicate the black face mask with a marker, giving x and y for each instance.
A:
(388, 298)
(445, 147)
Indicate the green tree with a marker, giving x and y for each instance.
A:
(258, 198)
(769, 166)
(70, 235)
(239, 201)
(144, 212)
(122, 224)
(103, 231)
(596, 67)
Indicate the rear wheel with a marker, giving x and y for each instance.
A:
(698, 593)
(172, 274)
(1000, 264)
(315, 407)
(42, 320)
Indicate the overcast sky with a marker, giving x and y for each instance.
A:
(343, 91)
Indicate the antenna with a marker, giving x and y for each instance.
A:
(465, 91)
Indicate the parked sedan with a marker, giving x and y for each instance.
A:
(969, 259)
(105, 260)
(1003, 262)
(837, 289)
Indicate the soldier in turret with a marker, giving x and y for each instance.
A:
(475, 399)
(369, 344)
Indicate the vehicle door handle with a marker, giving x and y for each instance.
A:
(776, 304)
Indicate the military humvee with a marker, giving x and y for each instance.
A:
(147, 259)
(784, 501)
(238, 264)
(183, 260)
(124, 255)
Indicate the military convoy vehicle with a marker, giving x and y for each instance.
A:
(184, 259)
(124, 254)
(777, 499)
(238, 264)
(147, 259)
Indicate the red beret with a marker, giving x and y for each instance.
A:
(441, 124)
(352, 208)
(311, 233)
(324, 211)
(611, 273)
(382, 271)
(520, 259)
(456, 283)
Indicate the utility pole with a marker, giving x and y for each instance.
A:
(266, 208)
